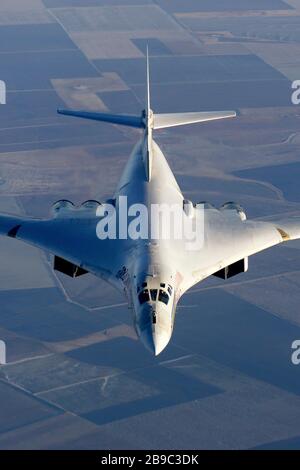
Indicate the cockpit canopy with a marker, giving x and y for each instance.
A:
(147, 294)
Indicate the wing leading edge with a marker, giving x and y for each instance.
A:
(70, 238)
(227, 243)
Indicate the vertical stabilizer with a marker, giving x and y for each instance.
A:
(148, 107)
(147, 145)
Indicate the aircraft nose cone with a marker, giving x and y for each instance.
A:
(155, 340)
(160, 338)
(147, 340)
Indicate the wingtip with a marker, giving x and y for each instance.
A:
(63, 111)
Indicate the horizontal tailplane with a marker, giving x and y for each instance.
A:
(122, 119)
(162, 121)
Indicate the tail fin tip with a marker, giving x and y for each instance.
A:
(148, 105)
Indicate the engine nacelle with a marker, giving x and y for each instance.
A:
(233, 269)
(62, 206)
(188, 208)
(91, 204)
(65, 267)
(206, 205)
(233, 206)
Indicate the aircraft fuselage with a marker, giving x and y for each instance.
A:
(150, 277)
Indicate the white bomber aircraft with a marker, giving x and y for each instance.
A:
(153, 273)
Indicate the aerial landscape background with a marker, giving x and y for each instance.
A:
(76, 375)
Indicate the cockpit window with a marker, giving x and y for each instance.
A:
(153, 293)
(144, 296)
(142, 286)
(163, 297)
(147, 295)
